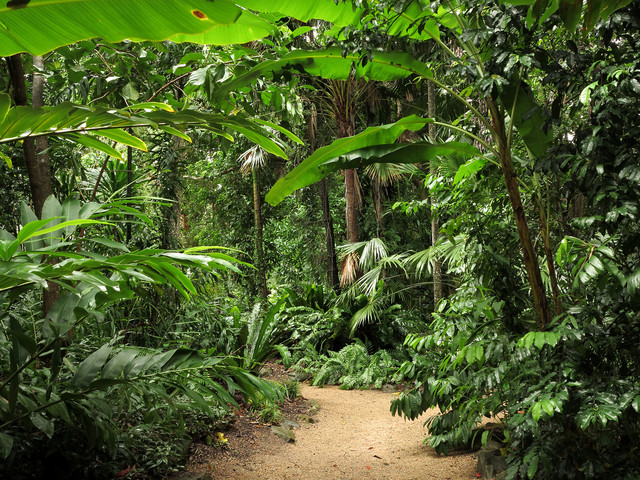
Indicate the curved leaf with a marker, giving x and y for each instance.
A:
(39, 26)
(374, 145)
(528, 117)
(44, 25)
(339, 13)
(247, 28)
(332, 64)
(80, 124)
(89, 368)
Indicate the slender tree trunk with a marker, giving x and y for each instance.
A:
(330, 239)
(259, 254)
(546, 240)
(35, 156)
(43, 162)
(529, 254)
(171, 185)
(347, 128)
(38, 166)
(435, 226)
(129, 188)
(323, 193)
(378, 208)
(352, 205)
(345, 118)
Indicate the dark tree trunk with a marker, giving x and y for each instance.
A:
(323, 191)
(129, 189)
(378, 208)
(43, 164)
(36, 157)
(259, 254)
(171, 185)
(546, 240)
(38, 166)
(435, 226)
(347, 128)
(352, 205)
(529, 254)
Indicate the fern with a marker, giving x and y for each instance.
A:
(353, 367)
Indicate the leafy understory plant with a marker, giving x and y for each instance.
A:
(351, 367)
(44, 384)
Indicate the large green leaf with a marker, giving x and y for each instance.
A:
(247, 28)
(415, 22)
(340, 13)
(83, 125)
(39, 26)
(337, 155)
(528, 117)
(90, 367)
(331, 63)
(570, 11)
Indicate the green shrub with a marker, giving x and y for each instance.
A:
(351, 367)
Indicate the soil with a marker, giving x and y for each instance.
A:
(343, 434)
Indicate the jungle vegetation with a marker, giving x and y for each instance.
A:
(442, 195)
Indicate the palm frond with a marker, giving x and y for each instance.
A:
(251, 159)
(348, 269)
(451, 252)
(373, 251)
(388, 173)
(368, 283)
(371, 312)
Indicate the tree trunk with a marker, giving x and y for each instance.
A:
(129, 190)
(378, 208)
(259, 254)
(43, 162)
(330, 240)
(435, 226)
(352, 205)
(544, 231)
(347, 128)
(38, 166)
(344, 111)
(323, 193)
(529, 254)
(35, 156)
(171, 185)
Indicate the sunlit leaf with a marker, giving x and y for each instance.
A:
(120, 136)
(316, 166)
(46, 25)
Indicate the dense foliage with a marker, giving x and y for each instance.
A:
(464, 224)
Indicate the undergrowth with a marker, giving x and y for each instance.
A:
(353, 366)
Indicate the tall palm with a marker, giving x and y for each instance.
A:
(340, 100)
(323, 193)
(250, 163)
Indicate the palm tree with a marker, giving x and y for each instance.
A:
(250, 162)
(340, 100)
(323, 193)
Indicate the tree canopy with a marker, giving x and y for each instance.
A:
(476, 160)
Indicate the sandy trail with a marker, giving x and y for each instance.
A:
(354, 437)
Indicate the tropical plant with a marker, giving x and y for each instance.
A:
(353, 367)
(46, 384)
(260, 334)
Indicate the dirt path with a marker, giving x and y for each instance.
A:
(354, 437)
